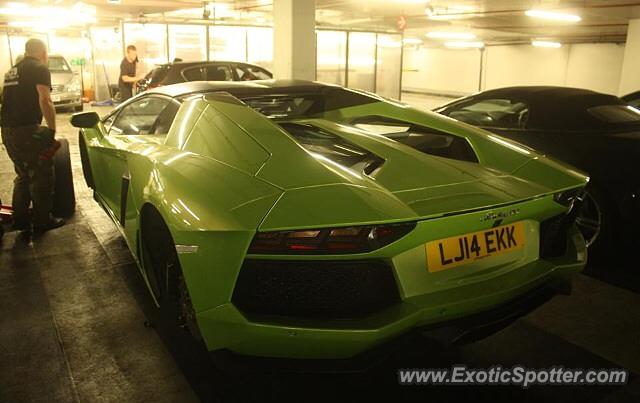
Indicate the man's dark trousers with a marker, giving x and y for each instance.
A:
(126, 92)
(35, 177)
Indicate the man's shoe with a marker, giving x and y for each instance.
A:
(53, 223)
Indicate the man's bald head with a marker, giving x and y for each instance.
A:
(36, 48)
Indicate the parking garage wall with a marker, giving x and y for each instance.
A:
(448, 73)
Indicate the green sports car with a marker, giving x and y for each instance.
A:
(303, 220)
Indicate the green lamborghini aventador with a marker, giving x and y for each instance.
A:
(304, 220)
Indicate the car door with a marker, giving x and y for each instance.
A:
(138, 122)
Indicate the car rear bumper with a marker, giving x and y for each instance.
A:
(457, 331)
(226, 327)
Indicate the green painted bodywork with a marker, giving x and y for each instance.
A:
(224, 171)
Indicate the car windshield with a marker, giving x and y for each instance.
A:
(58, 64)
(616, 113)
(501, 113)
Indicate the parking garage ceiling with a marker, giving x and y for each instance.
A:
(493, 22)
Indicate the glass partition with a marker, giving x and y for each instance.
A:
(362, 61)
(5, 59)
(260, 47)
(389, 65)
(151, 42)
(331, 56)
(77, 52)
(187, 42)
(228, 43)
(107, 55)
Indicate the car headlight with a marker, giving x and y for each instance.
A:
(74, 85)
(340, 240)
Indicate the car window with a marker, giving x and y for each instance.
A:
(247, 73)
(499, 113)
(139, 117)
(58, 64)
(166, 117)
(218, 73)
(193, 74)
(158, 74)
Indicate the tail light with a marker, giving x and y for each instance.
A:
(343, 240)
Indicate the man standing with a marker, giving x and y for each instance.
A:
(26, 99)
(128, 73)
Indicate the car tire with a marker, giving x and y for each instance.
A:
(164, 273)
(602, 248)
(64, 199)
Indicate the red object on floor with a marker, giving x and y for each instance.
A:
(5, 213)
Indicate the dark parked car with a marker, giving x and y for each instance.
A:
(632, 99)
(597, 133)
(180, 72)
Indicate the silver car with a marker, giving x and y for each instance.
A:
(66, 85)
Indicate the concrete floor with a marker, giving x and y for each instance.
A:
(73, 308)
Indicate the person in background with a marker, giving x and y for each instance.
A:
(128, 73)
(26, 97)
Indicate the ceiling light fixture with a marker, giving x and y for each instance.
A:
(551, 15)
(464, 44)
(546, 44)
(450, 35)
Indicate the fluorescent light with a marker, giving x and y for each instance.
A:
(546, 44)
(450, 12)
(412, 41)
(550, 15)
(464, 44)
(450, 35)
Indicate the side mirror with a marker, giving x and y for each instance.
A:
(85, 120)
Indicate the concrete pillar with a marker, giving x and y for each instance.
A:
(630, 77)
(294, 39)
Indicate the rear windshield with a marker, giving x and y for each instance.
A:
(158, 74)
(58, 64)
(423, 139)
(281, 106)
(277, 106)
(615, 113)
(333, 148)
